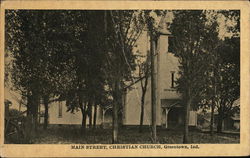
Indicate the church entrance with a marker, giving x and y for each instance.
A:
(172, 114)
(175, 117)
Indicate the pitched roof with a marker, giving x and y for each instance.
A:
(168, 103)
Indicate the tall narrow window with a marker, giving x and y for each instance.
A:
(172, 79)
(170, 44)
(60, 109)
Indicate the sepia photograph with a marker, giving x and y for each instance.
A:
(122, 79)
(122, 76)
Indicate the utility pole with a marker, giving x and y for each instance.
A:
(153, 83)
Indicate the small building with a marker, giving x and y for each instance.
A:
(58, 115)
(231, 123)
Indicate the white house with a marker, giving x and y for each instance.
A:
(58, 115)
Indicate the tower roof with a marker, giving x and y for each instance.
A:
(163, 28)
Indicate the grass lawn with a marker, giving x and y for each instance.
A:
(73, 135)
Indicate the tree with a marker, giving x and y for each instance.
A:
(40, 64)
(228, 79)
(229, 70)
(122, 30)
(80, 61)
(144, 72)
(212, 44)
(224, 52)
(84, 54)
(190, 31)
(49, 90)
(150, 17)
(232, 17)
(20, 42)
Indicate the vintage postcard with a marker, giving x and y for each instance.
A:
(124, 78)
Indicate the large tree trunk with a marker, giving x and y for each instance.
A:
(142, 112)
(90, 115)
(84, 114)
(95, 115)
(144, 90)
(28, 123)
(186, 123)
(212, 119)
(220, 121)
(32, 116)
(46, 112)
(84, 119)
(219, 126)
(115, 123)
(29, 105)
(34, 110)
(213, 102)
(153, 86)
(115, 111)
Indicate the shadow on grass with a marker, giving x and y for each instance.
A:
(74, 135)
